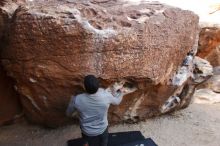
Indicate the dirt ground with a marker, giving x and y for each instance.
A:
(197, 125)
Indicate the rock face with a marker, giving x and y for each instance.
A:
(209, 21)
(209, 91)
(209, 45)
(52, 45)
(10, 108)
(2, 20)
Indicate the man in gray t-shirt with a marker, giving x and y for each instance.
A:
(92, 107)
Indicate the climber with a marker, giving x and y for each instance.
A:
(92, 107)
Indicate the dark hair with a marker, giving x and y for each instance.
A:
(91, 84)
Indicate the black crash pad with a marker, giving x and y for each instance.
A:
(131, 138)
(145, 142)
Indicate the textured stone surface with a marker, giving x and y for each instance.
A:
(202, 69)
(216, 70)
(52, 45)
(2, 20)
(209, 45)
(2, 2)
(10, 108)
(209, 91)
(212, 83)
(209, 21)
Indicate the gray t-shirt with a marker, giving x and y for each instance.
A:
(93, 110)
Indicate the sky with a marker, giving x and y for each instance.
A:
(203, 8)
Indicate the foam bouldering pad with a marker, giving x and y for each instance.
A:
(124, 137)
(145, 142)
(131, 138)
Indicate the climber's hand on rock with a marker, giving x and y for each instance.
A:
(118, 85)
(122, 90)
(125, 90)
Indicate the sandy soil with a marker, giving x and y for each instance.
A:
(197, 125)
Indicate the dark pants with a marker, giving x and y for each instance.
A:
(99, 140)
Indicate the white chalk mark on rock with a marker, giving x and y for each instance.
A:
(44, 100)
(142, 19)
(172, 102)
(132, 113)
(32, 80)
(181, 76)
(122, 86)
(185, 71)
(115, 87)
(137, 106)
(41, 66)
(86, 25)
(33, 102)
(188, 60)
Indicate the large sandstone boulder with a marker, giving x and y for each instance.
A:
(52, 45)
(209, 45)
